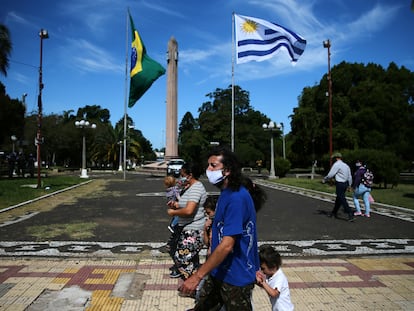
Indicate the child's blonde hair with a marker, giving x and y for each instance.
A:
(169, 181)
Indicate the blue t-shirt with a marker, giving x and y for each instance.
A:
(236, 216)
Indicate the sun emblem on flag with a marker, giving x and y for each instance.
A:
(249, 26)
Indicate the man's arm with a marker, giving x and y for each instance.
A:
(220, 253)
(332, 172)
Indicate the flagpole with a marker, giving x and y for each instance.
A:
(126, 92)
(232, 84)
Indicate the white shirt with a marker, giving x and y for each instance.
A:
(279, 281)
(341, 171)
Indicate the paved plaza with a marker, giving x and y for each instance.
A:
(330, 264)
(375, 283)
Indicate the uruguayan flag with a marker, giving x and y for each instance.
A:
(258, 40)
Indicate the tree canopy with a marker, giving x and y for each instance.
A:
(62, 144)
(213, 125)
(5, 48)
(372, 108)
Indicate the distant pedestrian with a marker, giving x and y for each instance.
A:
(272, 279)
(343, 180)
(361, 189)
(21, 164)
(11, 160)
(30, 165)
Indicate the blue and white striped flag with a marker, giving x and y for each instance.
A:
(258, 40)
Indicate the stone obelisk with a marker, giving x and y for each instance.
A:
(171, 132)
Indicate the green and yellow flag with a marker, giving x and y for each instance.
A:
(144, 70)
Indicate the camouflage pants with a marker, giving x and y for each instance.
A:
(214, 294)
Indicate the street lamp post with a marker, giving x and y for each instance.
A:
(327, 45)
(282, 127)
(271, 127)
(83, 124)
(120, 155)
(24, 101)
(13, 139)
(43, 35)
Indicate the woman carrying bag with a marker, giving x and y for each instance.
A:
(190, 211)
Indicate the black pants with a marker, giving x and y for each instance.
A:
(341, 188)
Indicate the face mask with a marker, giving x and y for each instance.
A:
(214, 177)
(182, 180)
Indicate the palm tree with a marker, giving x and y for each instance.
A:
(106, 145)
(5, 48)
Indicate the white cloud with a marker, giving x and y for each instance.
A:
(13, 17)
(374, 20)
(87, 57)
(297, 15)
(163, 9)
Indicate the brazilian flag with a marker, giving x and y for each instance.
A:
(144, 70)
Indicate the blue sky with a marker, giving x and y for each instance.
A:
(84, 59)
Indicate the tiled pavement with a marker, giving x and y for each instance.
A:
(370, 283)
(135, 276)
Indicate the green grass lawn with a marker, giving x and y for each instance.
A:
(402, 195)
(16, 190)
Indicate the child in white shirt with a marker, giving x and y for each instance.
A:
(272, 279)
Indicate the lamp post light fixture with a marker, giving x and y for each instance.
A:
(271, 127)
(327, 45)
(38, 141)
(83, 124)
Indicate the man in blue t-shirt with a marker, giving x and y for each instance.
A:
(230, 270)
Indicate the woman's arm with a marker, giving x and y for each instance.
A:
(187, 211)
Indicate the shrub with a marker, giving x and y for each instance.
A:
(282, 166)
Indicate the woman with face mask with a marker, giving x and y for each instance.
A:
(190, 211)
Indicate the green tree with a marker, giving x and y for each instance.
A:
(94, 112)
(5, 48)
(106, 146)
(12, 121)
(192, 144)
(214, 125)
(372, 108)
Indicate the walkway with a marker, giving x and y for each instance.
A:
(360, 274)
(143, 284)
